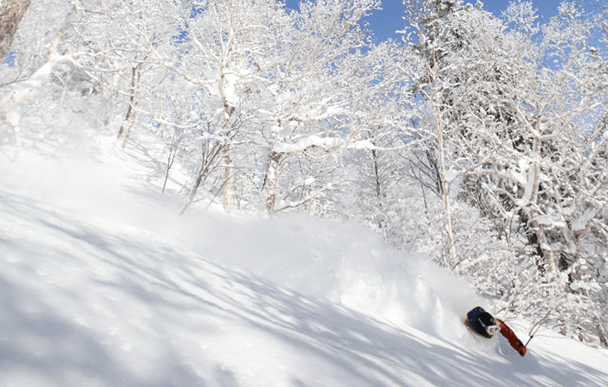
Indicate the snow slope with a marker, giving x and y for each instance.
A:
(102, 284)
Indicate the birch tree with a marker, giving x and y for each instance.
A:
(224, 46)
(321, 85)
(287, 81)
(96, 38)
(524, 122)
(451, 42)
(30, 83)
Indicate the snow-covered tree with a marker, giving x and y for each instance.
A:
(454, 43)
(95, 46)
(37, 61)
(283, 91)
(316, 87)
(521, 111)
(332, 112)
(222, 49)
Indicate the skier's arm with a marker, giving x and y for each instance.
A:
(511, 337)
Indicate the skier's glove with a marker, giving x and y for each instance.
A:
(521, 348)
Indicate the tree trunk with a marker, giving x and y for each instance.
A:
(446, 202)
(228, 181)
(228, 111)
(542, 241)
(272, 178)
(434, 99)
(11, 13)
(541, 237)
(601, 334)
(442, 175)
(134, 79)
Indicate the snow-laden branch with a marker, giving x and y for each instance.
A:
(508, 175)
(327, 144)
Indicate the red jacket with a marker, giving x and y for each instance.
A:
(510, 336)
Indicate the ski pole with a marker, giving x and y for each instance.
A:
(536, 327)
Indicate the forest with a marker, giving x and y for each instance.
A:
(479, 141)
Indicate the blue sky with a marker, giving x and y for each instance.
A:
(385, 22)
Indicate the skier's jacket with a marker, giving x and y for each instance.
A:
(479, 320)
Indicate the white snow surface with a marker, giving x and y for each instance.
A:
(102, 284)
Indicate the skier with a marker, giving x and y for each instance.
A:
(484, 324)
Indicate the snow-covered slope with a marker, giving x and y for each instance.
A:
(102, 284)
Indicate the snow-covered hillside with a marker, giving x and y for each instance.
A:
(102, 284)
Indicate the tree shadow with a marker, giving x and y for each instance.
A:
(103, 306)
